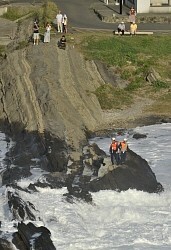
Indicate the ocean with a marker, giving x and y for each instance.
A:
(129, 220)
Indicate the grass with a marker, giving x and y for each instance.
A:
(2, 48)
(44, 13)
(14, 13)
(112, 98)
(142, 52)
(133, 57)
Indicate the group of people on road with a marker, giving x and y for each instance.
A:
(133, 25)
(61, 22)
(118, 151)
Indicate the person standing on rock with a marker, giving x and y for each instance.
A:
(59, 19)
(36, 33)
(114, 151)
(123, 148)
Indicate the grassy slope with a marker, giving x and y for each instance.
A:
(132, 58)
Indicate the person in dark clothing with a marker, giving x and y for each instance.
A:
(36, 33)
(62, 43)
(114, 151)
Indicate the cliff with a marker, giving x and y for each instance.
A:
(48, 92)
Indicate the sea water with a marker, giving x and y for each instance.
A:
(126, 220)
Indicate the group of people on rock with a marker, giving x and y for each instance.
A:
(133, 25)
(61, 22)
(118, 151)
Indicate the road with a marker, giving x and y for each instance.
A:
(80, 15)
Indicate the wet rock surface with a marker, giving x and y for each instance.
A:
(31, 237)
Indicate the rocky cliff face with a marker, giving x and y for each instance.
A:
(47, 94)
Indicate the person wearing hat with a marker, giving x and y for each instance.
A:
(114, 151)
(121, 28)
(123, 148)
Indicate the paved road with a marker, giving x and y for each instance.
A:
(81, 15)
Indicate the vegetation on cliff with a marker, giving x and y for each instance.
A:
(133, 58)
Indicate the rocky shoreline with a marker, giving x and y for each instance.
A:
(49, 110)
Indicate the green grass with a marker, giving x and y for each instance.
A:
(133, 57)
(44, 13)
(112, 98)
(142, 52)
(14, 13)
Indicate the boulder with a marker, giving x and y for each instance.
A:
(5, 244)
(134, 174)
(78, 188)
(20, 209)
(153, 76)
(32, 237)
(139, 136)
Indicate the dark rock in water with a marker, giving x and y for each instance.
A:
(52, 180)
(78, 188)
(139, 136)
(166, 120)
(93, 158)
(134, 174)
(5, 245)
(32, 237)
(12, 174)
(19, 208)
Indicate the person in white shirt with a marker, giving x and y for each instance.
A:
(121, 28)
(59, 19)
(47, 33)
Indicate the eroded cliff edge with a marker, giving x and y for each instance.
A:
(47, 94)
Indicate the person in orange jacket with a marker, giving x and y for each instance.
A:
(123, 148)
(114, 151)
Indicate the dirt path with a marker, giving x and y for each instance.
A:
(128, 117)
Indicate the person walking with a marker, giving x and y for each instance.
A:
(133, 28)
(121, 28)
(123, 148)
(47, 33)
(114, 151)
(132, 15)
(65, 23)
(59, 19)
(35, 33)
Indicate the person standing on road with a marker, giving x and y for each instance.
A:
(133, 28)
(35, 33)
(59, 19)
(114, 151)
(132, 15)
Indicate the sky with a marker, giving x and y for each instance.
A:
(126, 220)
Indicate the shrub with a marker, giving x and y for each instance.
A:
(160, 84)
